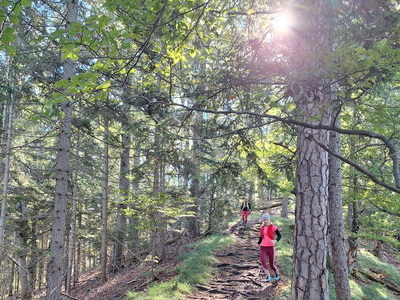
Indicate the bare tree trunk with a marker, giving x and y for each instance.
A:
(120, 235)
(133, 221)
(22, 238)
(104, 209)
(6, 174)
(55, 265)
(158, 235)
(336, 220)
(191, 222)
(353, 220)
(77, 269)
(284, 210)
(354, 228)
(72, 239)
(310, 274)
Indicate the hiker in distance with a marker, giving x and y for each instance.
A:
(245, 210)
(267, 242)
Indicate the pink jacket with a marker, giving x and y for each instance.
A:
(267, 233)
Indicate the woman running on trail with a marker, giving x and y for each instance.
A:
(267, 244)
(245, 209)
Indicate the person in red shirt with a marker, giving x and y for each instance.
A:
(245, 209)
(267, 242)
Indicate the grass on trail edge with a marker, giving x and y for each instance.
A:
(196, 268)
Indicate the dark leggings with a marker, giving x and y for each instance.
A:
(268, 251)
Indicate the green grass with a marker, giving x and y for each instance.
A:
(284, 252)
(373, 290)
(196, 268)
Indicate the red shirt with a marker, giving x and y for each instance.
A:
(267, 233)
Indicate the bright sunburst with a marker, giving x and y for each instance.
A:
(282, 22)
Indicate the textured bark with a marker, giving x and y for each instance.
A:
(158, 235)
(55, 264)
(310, 275)
(284, 210)
(9, 117)
(104, 208)
(72, 239)
(120, 235)
(22, 237)
(336, 220)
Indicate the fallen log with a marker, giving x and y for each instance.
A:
(375, 279)
(270, 206)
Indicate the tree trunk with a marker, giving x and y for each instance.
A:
(22, 237)
(284, 210)
(104, 208)
(72, 239)
(133, 232)
(353, 220)
(310, 274)
(55, 264)
(6, 173)
(120, 235)
(336, 220)
(158, 235)
(191, 222)
(353, 240)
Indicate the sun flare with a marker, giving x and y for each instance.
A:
(282, 22)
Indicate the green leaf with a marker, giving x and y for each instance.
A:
(18, 8)
(8, 35)
(26, 3)
(61, 83)
(6, 3)
(13, 19)
(11, 50)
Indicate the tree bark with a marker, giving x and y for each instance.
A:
(55, 264)
(310, 274)
(104, 208)
(120, 235)
(22, 236)
(7, 117)
(158, 235)
(336, 220)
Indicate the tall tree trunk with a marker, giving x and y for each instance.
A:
(22, 238)
(158, 235)
(55, 264)
(104, 209)
(133, 221)
(120, 235)
(285, 205)
(9, 118)
(354, 223)
(310, 274)
(192, 222)
(77, 269)
(336, 220)
(72, 238)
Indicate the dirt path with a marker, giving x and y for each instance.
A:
(240, 275)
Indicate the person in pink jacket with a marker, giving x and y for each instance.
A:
(267, 242)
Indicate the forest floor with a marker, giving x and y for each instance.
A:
(239, 275)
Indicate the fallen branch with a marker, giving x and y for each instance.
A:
(270, 206)
(375, 279)
(68, 296)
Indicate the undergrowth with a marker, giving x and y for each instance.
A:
(196, 268)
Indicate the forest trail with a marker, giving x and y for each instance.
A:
(240, 276)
